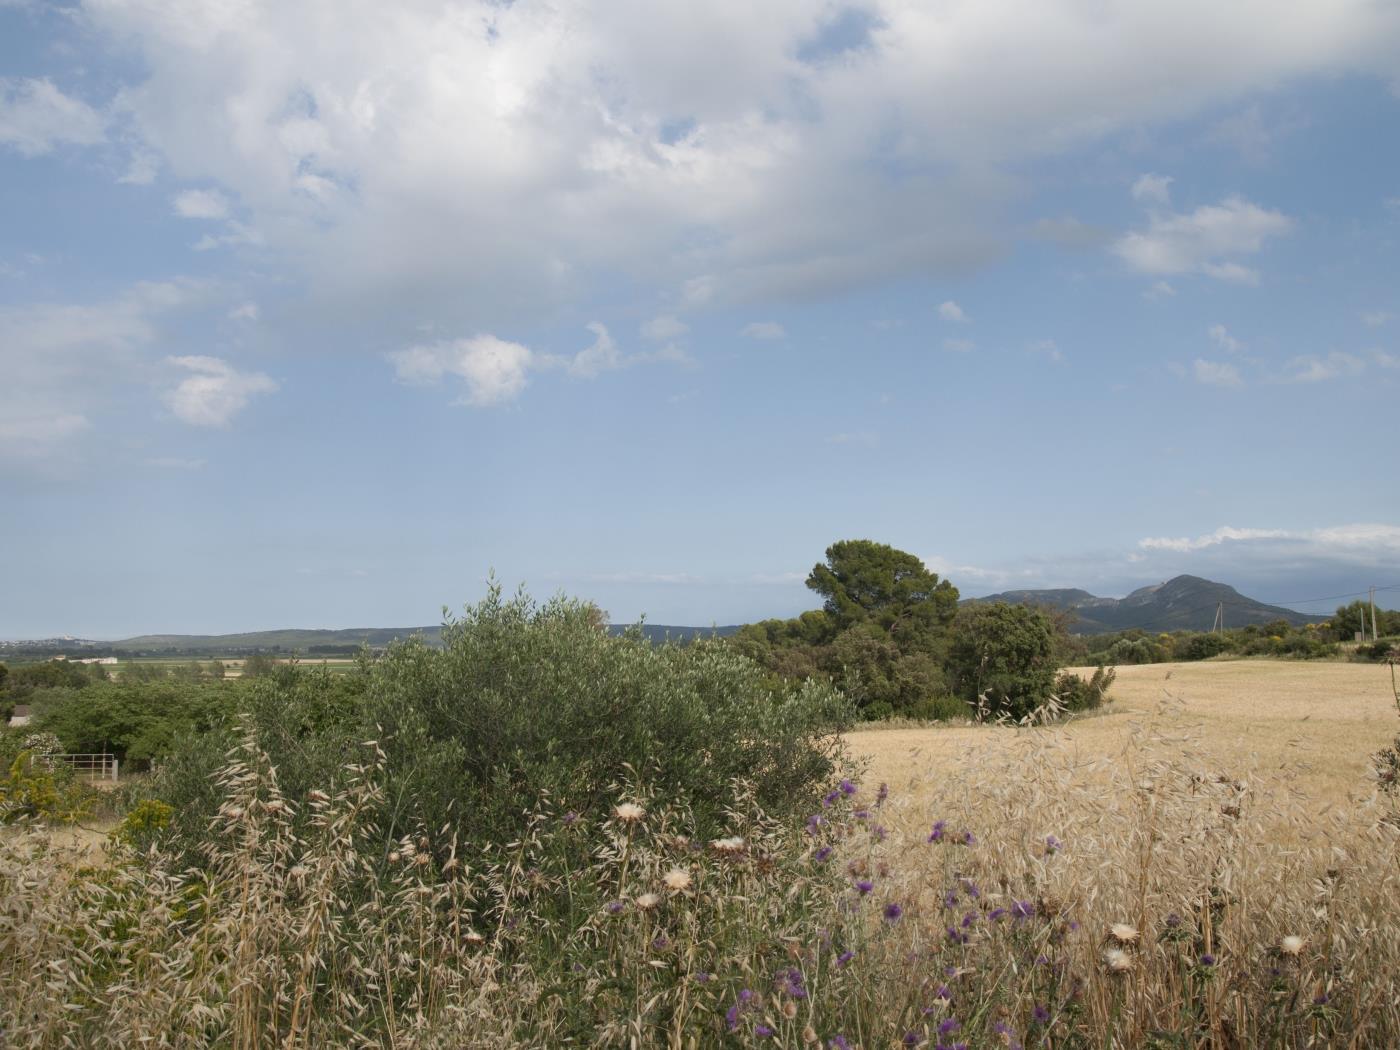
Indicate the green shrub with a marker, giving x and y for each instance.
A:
(1084, 694)
(1003, 652)
(525, 703)
(1204, 646)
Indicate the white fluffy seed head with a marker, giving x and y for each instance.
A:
(677, 879)
(1123, 933)
(627, 812)
(1292, 945)
(1117, 960)
(647, 901)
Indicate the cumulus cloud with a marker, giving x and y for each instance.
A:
(1224, 534)
(1216, 373)
(1203, 241)
(764, 330)
(214, 391)
(494, 370)
(951, 311)
(64, 362)
(1153, 189)
(530, 147)
(497, 371)
(1311, 368)
(664, 328)
(36, 117)
(1220, 335)
(201, 204)
(1368, 544)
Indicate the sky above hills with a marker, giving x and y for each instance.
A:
(313, 314)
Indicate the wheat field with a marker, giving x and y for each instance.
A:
(1308, 726)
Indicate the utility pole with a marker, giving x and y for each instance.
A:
(1373, 615)
(1219, 625)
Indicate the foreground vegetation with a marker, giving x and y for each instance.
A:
(494, 869)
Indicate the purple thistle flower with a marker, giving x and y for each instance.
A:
(950, 899)
(970, 888)
(951, 1046)
(1052, 844)
(731, 1018)
(613, 907)
(1173, 920)
(968, 839)
(957, 937)
(790, 984)
(746, 995)
(949, 1026)
(700, 977)
(1040, 1014)
(661, 942)
(878, 833)
(1208, 960)
(762, 1031)
(569, 818)
(1321, 1000)
(822, 855)
(997, 914)
(830, 798)
(1022, 909)
(912, 1039)
(843, 959)
(861, 814)
(847, 788)
(838, 1042)
(893, 911)
(939, 828)
(943, 993)
(864, 886)
(969, 919)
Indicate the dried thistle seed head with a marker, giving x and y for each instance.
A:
(809, 1035)
(789, 1009)
(647, 901)
(1292, 945)
(677, 879)
(422, 860)
(628, 812)
(394, 857)
(1117, 960)
(733, 844)
(1123, 933)
(472, 937)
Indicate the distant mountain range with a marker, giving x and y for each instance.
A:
(314, 642)
(1184, 603)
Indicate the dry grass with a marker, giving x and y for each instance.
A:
(1311, 727)
(1202, 867)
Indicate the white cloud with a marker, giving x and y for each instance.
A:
(1224, 534)
(1160, 290)
(601, 356)
(1203, 240)
(1310, 368)
(764, 330)
(214, 391)
(245, 312)
(1153, 189)
(530, 147)
(664, 328)
(1376, 318)
(1047, 348)
(1222, 338)
(36, 117)
(959, 346)
(63, 363)
(495, 370)
(951, 311)
(201, 204)
(1215, 373)
(1385, 360)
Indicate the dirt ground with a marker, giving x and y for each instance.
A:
(1310, 726)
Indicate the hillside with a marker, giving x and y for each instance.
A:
(1184, 603)
(322, 641)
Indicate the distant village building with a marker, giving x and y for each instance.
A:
(20, 716)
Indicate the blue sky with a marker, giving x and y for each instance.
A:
(315, 314)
